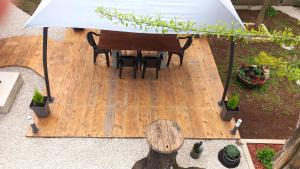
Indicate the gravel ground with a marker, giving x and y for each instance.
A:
(13, 25)
(20, 152)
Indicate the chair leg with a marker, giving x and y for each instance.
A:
(144, 71)
(120, 73)
(95, 57)
(107, 59)
(134, 72)
(181, 59)
(169, 59)
(157, 69)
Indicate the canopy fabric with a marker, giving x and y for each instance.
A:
(81, 13)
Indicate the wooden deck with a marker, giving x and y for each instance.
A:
(91, 101)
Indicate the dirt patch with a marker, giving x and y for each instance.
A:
(271, 112)
(254, 147)
(28, 6)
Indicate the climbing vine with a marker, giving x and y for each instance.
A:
(158, 23)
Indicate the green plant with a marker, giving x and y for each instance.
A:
(233, 101)
(38, 98)
(160, 24)
(265, 155)
(232, 151)
(271, 12)
(281, 67)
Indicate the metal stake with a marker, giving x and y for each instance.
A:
(236, 126)
(32, 124)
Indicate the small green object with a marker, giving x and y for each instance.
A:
(233, 101)
(271, 12)
(38, 98)
(232, 151)
(265, 155)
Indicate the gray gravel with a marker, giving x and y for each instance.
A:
(20, 152)
(13, 25)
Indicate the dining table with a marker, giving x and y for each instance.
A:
(117, 41)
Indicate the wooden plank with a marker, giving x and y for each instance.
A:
(91, 101)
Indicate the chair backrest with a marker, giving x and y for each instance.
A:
(91, 39)
(187, 43)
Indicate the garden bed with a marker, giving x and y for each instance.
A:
(269, 112)
(253, 149)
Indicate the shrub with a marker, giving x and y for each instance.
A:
(265, 155)
(270, 12)
(232, 151)
(281, 67)
(233, 101)
(38, 98)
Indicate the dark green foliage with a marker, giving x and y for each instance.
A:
(38, 98)
(232, 151)
(271, 12)
(233, 101)
(265, 155)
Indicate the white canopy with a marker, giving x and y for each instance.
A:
(81, 13)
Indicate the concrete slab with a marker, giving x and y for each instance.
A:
(10, 84)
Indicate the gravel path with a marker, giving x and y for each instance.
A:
(20, 152)
(14, 22)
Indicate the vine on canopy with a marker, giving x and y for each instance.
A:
(286, 37)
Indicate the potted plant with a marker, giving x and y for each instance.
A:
(197, 150)
(40, 104)
(230, 156)
(252, 76)
(230, 107)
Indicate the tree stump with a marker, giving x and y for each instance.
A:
(165, 138)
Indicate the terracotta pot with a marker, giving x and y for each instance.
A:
(3, 8)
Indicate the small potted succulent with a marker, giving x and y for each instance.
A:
(230, 107)
(40, 104)
(230, 156)
(252, 76)
(197, 150)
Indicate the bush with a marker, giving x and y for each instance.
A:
(265, 155)
(233, 101)
(38, 98)
(270, 12)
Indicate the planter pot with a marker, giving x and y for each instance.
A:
(226, 161)
(227, 114)
(247, 83)
(41, 111)
(195, 154)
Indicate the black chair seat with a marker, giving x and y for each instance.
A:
(97, 50)
(180, 53)
(127, 61)
(151, 62)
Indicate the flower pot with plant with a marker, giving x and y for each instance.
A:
(40, 105)
(197, 150)
(230, 156)
(252, 76)
(230, 107)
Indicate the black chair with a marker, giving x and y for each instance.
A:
(151, 62)
(97, 50)
(127, 61)
(180, 53)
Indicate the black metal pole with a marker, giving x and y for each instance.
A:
(45, 43)
(232, 48)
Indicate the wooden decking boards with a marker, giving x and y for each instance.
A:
(91, 101)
